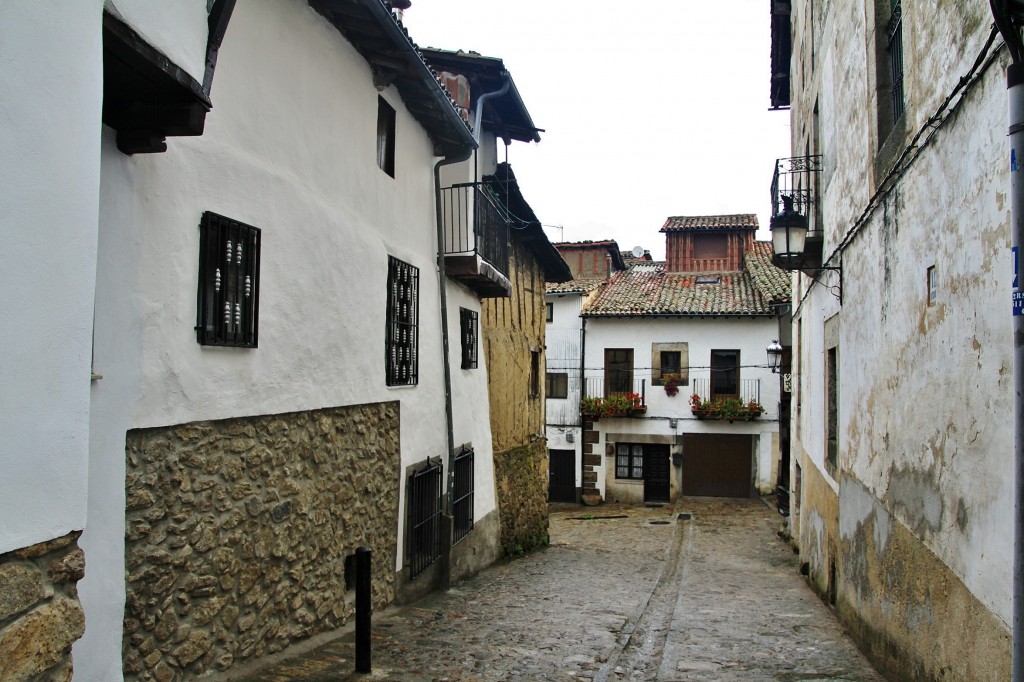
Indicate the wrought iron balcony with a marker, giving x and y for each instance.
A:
(797, 178)
(749, 390)
(476, 239)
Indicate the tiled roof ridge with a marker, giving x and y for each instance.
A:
(690, 222)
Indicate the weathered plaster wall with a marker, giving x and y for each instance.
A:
(513, 329)
(49, 206)
(275, 156)
(924, 486)
(889, 576)
(817, 524)
(40, 616)
(238, 530)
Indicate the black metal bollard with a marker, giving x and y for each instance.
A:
(363, 555)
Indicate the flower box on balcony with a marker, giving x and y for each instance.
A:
(729, 409)
(617, 405)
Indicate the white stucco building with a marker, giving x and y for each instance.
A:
(697, 324)
(902, 361)
(247, 251)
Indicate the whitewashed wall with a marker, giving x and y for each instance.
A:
(178, 28)
(51, 113)
(290, 147)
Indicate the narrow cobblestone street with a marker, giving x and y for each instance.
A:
(623, 593)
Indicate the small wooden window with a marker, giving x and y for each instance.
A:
(933, 286)
(551, 312)
(629, 461)
(534, 374)
(710, 246)
(385, 136)
(557, 385)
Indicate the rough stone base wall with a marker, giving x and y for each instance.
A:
(40, 616)
(237, 533)
(521, 479)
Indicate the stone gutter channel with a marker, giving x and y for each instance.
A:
(641, 644)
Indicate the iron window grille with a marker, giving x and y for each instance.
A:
(462, 507)
(470, 324)
(895, 49)
(424, 516)
(629, 460)
(401, 344)
(229, 282)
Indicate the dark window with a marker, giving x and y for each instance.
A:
(401, 353)
(385, 136)
(534, 374)
(725, 373)
(462, 506)
(895, 52)
(557, 385)
(470, 323)
(832, 407)
(551, 312)
(710, 246)
(629, 460)
(424, 517)
(229, 282)
(671, 363)
(618, 370)
(933, 286)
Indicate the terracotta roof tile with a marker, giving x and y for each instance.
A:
(774, 283)
(652, 291)
(574, 286)
(710, 222)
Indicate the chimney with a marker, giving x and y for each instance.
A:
(398, 8)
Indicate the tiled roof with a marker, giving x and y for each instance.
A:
(710, 222)
(773, 283)
(628, 256)
(574, 286)
(652, 291)
(587, 244)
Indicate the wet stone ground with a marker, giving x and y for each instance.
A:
(623, 593)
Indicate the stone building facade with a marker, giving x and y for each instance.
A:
(902, 361)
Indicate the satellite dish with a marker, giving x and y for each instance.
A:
(638, 251)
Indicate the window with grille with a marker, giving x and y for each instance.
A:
(229, 282)
(629, 460)
(895, 50)
(462, 505)
(401, 352)
(385, 136)
(470, 324)
(424, 516)
(557, 385)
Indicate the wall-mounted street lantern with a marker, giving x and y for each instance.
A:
(789, 234)
(789, 242)
(774, 351)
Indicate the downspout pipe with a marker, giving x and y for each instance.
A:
(1015, 87)
(442, 277)
(478, 119)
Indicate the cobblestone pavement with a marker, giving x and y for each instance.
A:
(623, 593)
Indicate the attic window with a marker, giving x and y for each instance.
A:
(709, 279)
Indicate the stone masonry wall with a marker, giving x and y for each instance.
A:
(237, 533)
(40, 616)
(521, 479)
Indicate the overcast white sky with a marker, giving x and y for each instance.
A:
(650, 110)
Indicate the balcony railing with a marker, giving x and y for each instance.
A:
(749, 390)
(476, 239)
(594, 387)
